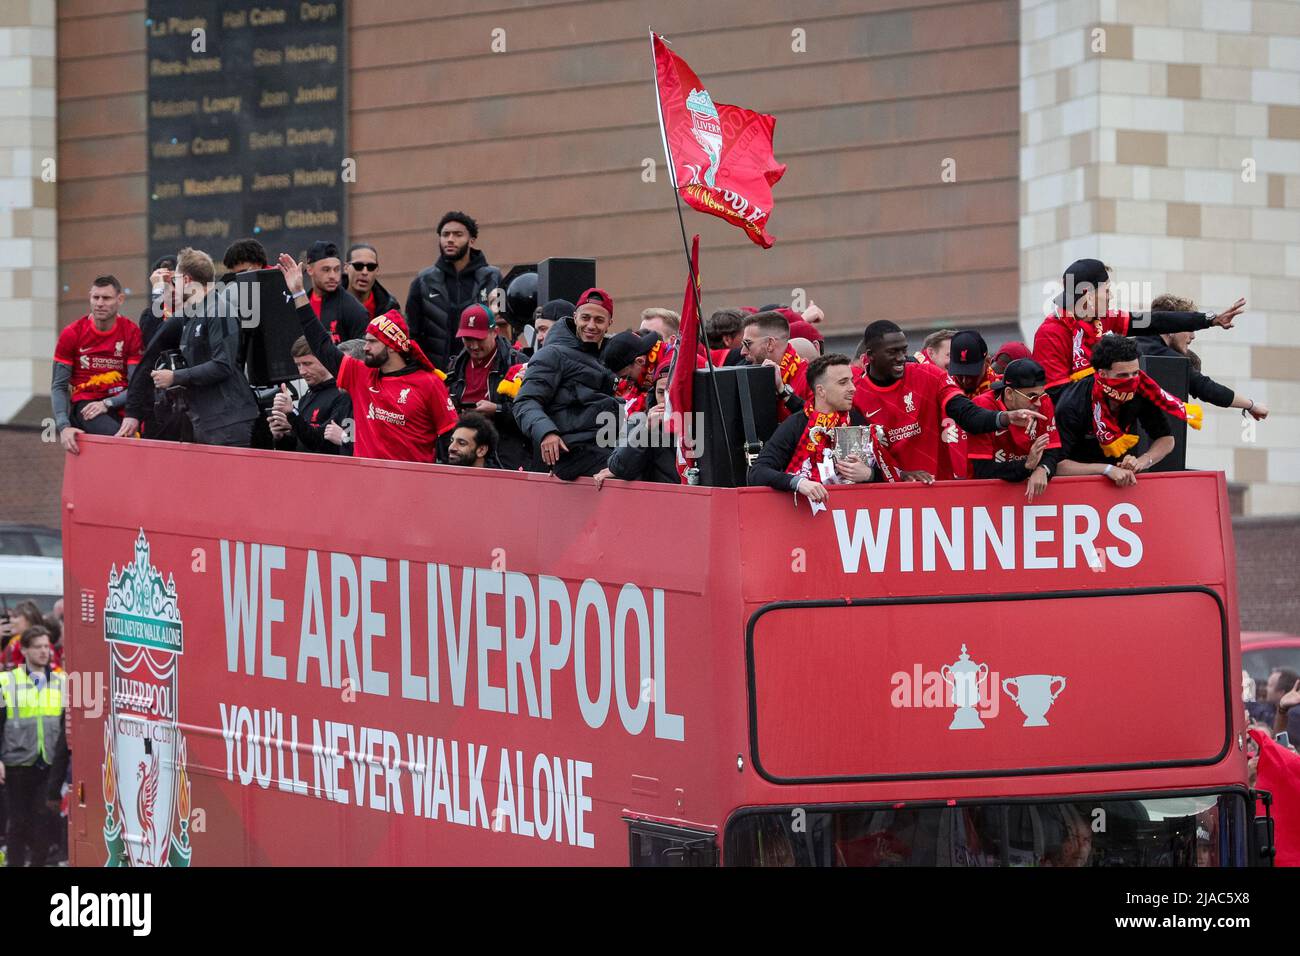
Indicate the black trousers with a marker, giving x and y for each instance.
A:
(580, 461)
(105, 424)
(31, 824)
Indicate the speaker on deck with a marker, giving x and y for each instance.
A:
(267, 341)
(564, 279)
(1172, 373)
(747, 398)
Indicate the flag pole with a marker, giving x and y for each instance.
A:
(701, 336)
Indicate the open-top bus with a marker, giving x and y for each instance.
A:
(343, 662)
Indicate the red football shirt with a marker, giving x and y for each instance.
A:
(1010, 443)
(98, 360)
(912, 411)
(397, 417)
(1063, 344)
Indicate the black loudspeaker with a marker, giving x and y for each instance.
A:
(564, 279)
(269, 336)
(747, 396)
(1172, 373)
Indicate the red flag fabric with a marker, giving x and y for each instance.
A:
(719, 156)
(1279, 773)
(680, 401)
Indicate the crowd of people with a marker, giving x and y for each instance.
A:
(448, 378)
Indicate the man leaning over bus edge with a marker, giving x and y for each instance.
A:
(1018, 453)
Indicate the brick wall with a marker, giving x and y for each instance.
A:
(31, 477)
(1268, 573)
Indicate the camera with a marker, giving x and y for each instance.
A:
(173, 398)
(265, 397)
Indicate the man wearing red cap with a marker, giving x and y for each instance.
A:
(568, 393)
(476, 373)
(401, 406)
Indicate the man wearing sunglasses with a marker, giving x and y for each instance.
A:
(1027, 453)
(361, 277)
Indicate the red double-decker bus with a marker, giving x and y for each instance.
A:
(345, 662)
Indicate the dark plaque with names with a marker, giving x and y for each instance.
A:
(246, 124)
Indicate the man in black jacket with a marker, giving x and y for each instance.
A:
(218, 400)
(789, 459)
(439, 294)
(475, 374)
(1178, 344)
(649, 450)
(568, 394)
(361, 278)
(306, 428)
(342, 315)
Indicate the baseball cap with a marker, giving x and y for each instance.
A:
(476, 322)
(969, 353)
(799, 329)
(1023, 373)
(625, 348)
(596, 297)
(556, 310)
(1080, 272)
(322, 249)
(1009, 352)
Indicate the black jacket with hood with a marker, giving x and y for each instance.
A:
(566, 390)
(385, 301)
(436, 298)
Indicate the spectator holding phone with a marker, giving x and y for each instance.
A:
(306, 426)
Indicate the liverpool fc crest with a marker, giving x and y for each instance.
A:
(146, 788)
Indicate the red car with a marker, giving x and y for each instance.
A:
(1264, 651)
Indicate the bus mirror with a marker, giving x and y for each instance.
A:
(1265, 848)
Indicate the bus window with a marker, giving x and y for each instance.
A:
(1186, 831)
(655, 844)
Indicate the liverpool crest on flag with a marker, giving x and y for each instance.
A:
(720, 156)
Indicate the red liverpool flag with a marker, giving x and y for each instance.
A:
(719, 156)
(680, 400)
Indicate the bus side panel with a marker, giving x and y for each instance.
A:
(351, 662)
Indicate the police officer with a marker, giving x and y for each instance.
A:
(33, 749)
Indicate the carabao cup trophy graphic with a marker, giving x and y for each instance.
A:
(1034, 695)
(964, 677)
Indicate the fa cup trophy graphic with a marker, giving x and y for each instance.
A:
(1033, 694)
(707, 129)
(964, 677)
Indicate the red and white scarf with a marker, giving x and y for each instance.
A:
(1113, 439)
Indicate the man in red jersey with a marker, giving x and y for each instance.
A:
(94, 359)
(1063, 343)
(910, 402)
(765, 340)
(400, 406)
(1013, 453)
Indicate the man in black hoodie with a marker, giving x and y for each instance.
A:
(568, 393)
(439, 294)
(361, 278)
(342, 315)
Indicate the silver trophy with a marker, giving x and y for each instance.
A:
(853, 441)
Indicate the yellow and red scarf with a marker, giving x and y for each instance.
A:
(1116, 442)
(816, 438)
(791, 363)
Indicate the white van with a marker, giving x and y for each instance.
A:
(29, 578)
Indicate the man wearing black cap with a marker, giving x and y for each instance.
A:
(475, 374)
(342, 315)
(557, 310)
(968, 363)
(1025, 453)
(1063, 343)
(633, 357)
(438, 295)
